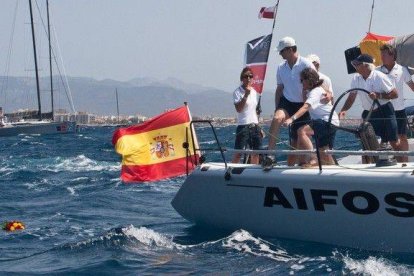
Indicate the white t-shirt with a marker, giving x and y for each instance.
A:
(398, 75)
(327, 83)
(248, 115)
(290, 79)
(376, 82)
(319, 110)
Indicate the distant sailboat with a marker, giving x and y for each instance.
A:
(38, 123)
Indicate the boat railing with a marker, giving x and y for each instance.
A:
(196, 148)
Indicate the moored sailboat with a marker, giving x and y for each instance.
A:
(38, 124)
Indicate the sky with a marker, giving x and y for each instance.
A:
(200, 42)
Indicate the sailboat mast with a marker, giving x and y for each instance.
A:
(117, 105)
(50, 59)
(39, 105)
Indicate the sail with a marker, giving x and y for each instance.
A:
(405, 51)
(256, 56)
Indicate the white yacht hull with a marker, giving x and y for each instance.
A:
(38, 128)
(359, 206)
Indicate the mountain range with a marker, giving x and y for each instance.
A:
(143, 96)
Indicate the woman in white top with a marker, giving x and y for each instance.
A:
(323, 131)
(248, 132)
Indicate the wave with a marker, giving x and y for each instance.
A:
(79, 163)
(375, 266)
(83, 163)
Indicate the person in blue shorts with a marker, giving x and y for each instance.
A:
(381, 88)
(319, 126)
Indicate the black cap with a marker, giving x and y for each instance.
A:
(363, 58)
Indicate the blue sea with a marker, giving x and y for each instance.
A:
(81, 219)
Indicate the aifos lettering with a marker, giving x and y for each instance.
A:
(397, 204)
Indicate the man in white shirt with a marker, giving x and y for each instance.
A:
(289, 96)
(398, 75)
(381, 88)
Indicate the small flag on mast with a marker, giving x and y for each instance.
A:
(154, 150)
(268, 12)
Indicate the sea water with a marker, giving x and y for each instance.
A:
(81, 219)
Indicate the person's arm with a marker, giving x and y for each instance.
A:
(240, 105)
(393, 94)
(305, 108)
(278, 94)
(328, 97)
(348, 104)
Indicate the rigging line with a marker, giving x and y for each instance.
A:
(372, 12)
(65, 87)
(5, 82)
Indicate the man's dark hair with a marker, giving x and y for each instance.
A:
(390, 50)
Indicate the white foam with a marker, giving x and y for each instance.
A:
(82, 163)
(243, 241)
(375, 266)
(149, 237)
(71, 190)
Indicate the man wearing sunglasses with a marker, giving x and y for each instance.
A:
(289, 96)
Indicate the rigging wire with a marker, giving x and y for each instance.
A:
(65, 87)
(5, 81)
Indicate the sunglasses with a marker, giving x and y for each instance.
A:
(247, 76)
(285, 49)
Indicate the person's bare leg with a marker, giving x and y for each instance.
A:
(236, 158)
(278, 118)
(327, 159)
(395, 145)
(403, 147)
(254, 159)
(305, 143)
(292, 158)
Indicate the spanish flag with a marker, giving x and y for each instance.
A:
(154, 149)
(371, 45)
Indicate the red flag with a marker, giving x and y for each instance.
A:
(268, 12)
(257, 54)
(154, 149)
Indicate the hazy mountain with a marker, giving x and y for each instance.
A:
(138, 96)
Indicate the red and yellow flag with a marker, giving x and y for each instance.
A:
(371, 45)
(154, 149)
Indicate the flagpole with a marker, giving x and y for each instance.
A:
(274, 18)
(259, 107)
(370, 20)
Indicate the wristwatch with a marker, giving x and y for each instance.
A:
(294, 118)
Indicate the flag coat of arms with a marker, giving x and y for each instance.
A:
(154, 149)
